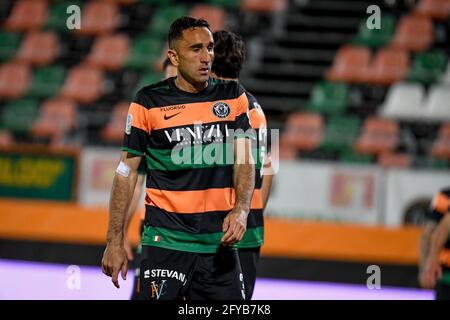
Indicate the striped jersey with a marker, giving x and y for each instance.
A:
(184, 138)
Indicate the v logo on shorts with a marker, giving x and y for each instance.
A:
(158, 289)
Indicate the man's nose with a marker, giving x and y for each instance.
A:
(205, 56)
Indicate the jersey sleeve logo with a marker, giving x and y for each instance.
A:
(221, 109)
(128, 124)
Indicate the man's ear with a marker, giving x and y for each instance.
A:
(173, 57)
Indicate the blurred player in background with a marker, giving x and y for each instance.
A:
(434, 269)
(169, 71)
(229, 56)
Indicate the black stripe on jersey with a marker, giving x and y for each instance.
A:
(136, 140)
(202, 223)
(165, 93)
(191, 179)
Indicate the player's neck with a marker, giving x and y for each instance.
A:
(187, 86)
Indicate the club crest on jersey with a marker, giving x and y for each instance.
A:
(221, 109)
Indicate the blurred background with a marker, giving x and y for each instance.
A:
(363, 114)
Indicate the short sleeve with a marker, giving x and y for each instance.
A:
(439, 207)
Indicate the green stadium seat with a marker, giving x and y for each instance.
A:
(340, 133)
(376, 38)
(10, 42)
(57, 19)
(158, 3)
(145, 50)
(46, 81)
(147, 79)
(19, 115)
(163, 18)
(228, 4)
(328, 98)
(427, 67)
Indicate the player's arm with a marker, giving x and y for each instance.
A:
(114, 257)
(424, 248)
(433, 269)
(132, 209)
(235, 223)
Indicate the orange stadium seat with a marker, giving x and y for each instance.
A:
(304, 131)
(114, 130)
(394, 160)
(263, 5)
(6, 139)
(27, 15)
(56, 117)
(441, 146)
(350, 65)
(216, 16)
(99, 18)
(413, 33)
(378, 136)
(435, 9)
(83, 84)
(389, 66)
(14, 79)
(39, 48)
(109, 52)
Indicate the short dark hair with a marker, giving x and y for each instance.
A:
(178, 26)
(229, 54)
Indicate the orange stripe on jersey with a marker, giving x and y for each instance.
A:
(440, 203)
(139, 117)
(164, 117)
(257, 202)
(257, 118)
(197, 201)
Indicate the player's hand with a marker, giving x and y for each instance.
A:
(115, 261)
(234, 227)
(128, 249)
(432, 272)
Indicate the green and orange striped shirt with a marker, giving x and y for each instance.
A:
(183, 137)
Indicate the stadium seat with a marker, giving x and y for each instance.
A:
(6, 139)
(46, 81)
(378, 135)
(113, 132)
(303, 131)
(14, 79)
(98, 18)
(83, 84)
(144, 52)
(214, 15)
(437, 103)
(56, 117)
(427, 67)
(441, 146)
(328, 98)
(340, 133)
(228, 4)
(109, 52)
(388, 67)
(435, 9)
(350, 157)
(147, 79)
(19, 115)
(376, 38)
(394, 160)
(27, 15)
(413, 33)
(10, 42)
(39, 48)
(162, 19)
(263, 5)
(350, 65)
(404, 101)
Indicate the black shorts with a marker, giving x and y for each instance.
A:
(170, 274)
(249, 259)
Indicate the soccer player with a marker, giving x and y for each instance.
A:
(169, 71)
(435, 247)
(229, 56)
(196, 210)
